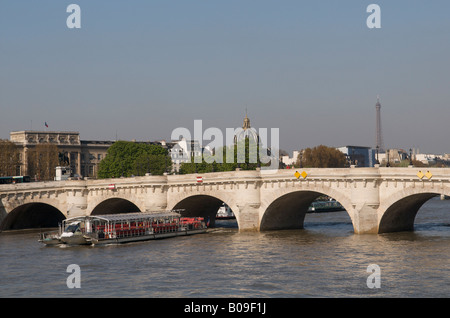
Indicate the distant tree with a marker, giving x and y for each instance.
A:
(417, 163)
(9, 158)
(42, 161)
(406, 162)
(154, 164)
(322, 157)
(126, 158)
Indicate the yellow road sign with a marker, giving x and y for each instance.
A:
(298, 174)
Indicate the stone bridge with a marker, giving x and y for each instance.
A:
(377, 200)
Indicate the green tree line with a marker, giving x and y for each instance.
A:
(127, 158)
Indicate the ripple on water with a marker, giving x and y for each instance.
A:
(324, 260)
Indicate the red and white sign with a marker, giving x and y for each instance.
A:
(199, 179)
(112, 187)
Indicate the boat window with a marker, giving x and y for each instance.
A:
(72, 228)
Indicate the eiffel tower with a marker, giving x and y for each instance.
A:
(379, 137)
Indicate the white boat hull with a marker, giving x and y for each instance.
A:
(75, 240)
(52, 241)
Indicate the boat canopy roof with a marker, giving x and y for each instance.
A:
(135, 216)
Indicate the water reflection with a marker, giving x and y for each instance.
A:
(323, 260)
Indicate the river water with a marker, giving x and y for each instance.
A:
(323, 260)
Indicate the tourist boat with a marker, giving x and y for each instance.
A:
(122, 228)
(224, 213)
(325, 206)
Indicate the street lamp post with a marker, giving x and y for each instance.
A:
(387, 155)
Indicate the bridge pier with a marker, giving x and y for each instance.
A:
(248, 198)
(77, 201)
(248, 217)
(365, 219)
(156, 198)
(365, 198)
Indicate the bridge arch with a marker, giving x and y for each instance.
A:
(398, 211)
(32, 215)
(203, 204)
(115, 205)
(286, 208)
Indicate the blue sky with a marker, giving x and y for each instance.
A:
(310, 68)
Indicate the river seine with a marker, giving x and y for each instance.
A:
(323, 260)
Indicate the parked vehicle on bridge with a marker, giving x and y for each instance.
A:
(123, 228)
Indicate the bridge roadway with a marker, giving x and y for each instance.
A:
(378, 200)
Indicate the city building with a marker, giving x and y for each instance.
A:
(394, 156)
(288, 161)
(82, 156)
(247, 132)
(359, 156)
(183, 151)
